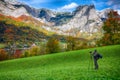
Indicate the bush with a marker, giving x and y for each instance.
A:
(53, 45)
(43, 49)
(80, 45)
(71, 42)
(17, 54)
(34, 51)
(25, 53)
(3, 55)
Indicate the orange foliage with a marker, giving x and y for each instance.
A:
(112, 29)
(13, 18)
(23, 18)
(106, 37)
(3, 54)
(18, 54)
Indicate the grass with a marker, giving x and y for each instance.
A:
(73, 65)
(2, 45)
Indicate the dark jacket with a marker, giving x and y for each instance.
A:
(97, 56)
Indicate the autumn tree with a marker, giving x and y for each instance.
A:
(53, 45)
(70, 43)
(3, 55)
(76, 43)
(112, 29)
(34, 51)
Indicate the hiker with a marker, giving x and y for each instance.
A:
(96, 56)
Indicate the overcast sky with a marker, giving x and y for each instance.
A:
(69, 5)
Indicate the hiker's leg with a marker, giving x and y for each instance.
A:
(96, 64)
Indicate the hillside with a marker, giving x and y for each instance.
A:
(73, 65)
(15, 29)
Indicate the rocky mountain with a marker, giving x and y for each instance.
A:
(84, 20)
(46, 14)
(104, 14)
(16, 9)
(10, 9)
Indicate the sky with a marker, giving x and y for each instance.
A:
(70, 5)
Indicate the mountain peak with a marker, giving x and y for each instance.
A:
(80, 7)
(11, 1)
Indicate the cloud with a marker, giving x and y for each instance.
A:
(114, 3)
(118, 12)
(116, 7)
(68, 7)
(35, 3)
(110, 2)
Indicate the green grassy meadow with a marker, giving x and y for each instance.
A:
(2, 45)
(73, 65)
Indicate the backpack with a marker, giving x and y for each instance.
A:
(99, 56)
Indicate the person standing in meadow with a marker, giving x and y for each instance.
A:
(96, 56)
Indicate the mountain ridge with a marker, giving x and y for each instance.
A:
(79, 21)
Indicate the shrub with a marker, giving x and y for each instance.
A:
(53, 45)
(70, 43)
(3, 55)
(17, 54)
(34, 51)
(25, 53)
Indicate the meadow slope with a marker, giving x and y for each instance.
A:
(73, 65)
